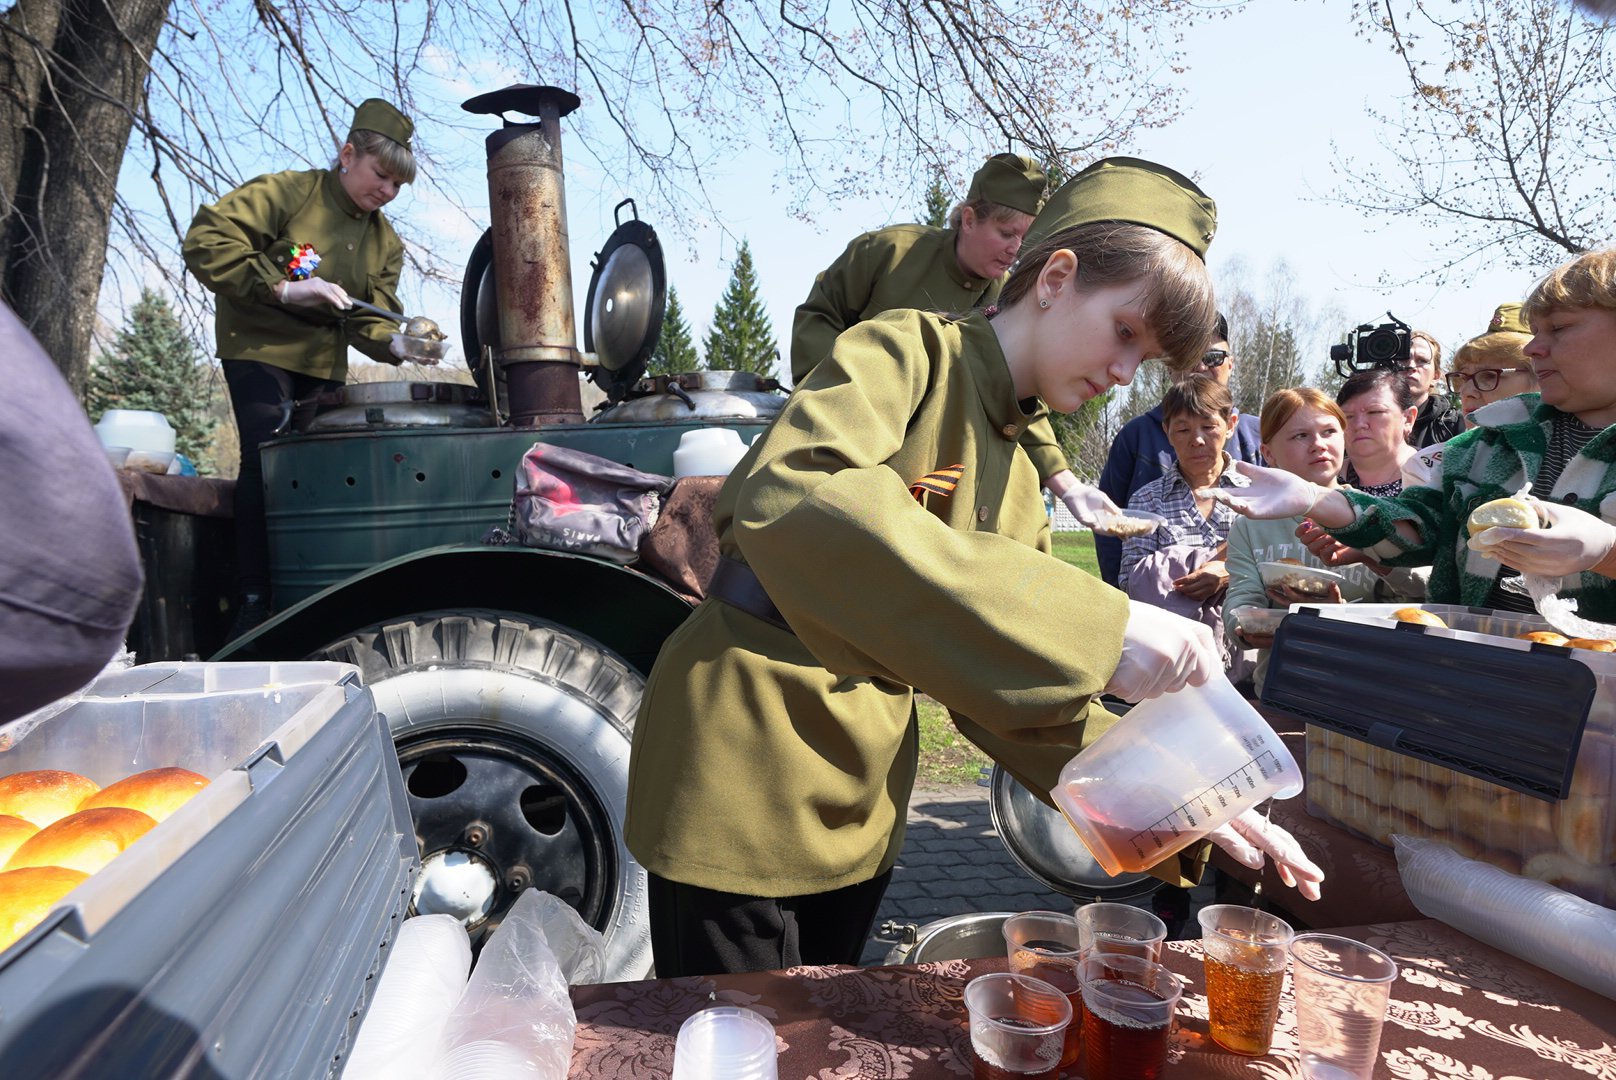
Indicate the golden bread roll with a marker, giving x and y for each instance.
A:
(1545, 637)
(1593, 644)
(1470, 816)
(1586, 828)
(155, 792)
(86, 841)
(1510, 513)
(1523, 824)
(1594, 883)
(27, 896)
(1418, 615)
(1419, 800)
(13, 831)
(44, 795)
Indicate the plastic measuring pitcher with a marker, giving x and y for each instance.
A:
(1172, 770)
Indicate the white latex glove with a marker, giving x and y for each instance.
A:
(1162, 652)
(314, 292)
(1250, 836)
(1569, 542)
(1088, 504)
(1273, 493)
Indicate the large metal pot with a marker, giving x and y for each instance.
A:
(958, 937)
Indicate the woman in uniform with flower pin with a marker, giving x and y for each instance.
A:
(283, 253)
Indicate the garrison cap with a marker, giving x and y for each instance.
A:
(1135, 191)
(1010, 180)
(383, 118)
(1508, 317)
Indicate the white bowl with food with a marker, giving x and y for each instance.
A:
(422, 350)
(1304, 579)
(1128, 523)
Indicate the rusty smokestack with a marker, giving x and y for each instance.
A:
(532, 267)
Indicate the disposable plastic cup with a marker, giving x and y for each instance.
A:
(1046, 945)
(1172, 770)
(1246, 955)
(1018, 1027)
(1128, 1016)
(1120, 929)
(1342, 988)
(725, 1042)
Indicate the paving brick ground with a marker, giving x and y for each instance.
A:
(953, 863)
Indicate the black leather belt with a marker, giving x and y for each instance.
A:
(736, 585)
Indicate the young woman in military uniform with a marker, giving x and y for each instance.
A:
(884, 535)
(282, 340)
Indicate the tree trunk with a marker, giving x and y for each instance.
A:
(81, 113)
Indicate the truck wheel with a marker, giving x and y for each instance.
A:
(513, 735)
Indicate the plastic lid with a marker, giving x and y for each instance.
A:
(725, 1042)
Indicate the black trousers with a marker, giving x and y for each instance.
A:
(257, 394)
(696, 931)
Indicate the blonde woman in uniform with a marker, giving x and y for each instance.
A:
(884, 536)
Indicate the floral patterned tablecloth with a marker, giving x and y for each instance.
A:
(1460, 1009)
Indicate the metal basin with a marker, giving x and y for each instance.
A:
(958, 937)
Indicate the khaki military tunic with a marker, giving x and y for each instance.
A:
(238, 248)
(772, 763)
(903, 266)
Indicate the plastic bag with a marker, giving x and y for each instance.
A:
(567, 500)
(423, 981)
(1529, 919)
(515, 1018)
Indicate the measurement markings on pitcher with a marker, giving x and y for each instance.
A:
(1234, 787)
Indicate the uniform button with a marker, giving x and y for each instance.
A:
(1009, 431)
(350, 247)
(981, 513)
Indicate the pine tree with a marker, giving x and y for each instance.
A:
(938, 202)
(741, 337)
(675, 350)
(155, 364)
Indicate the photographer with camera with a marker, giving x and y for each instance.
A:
(1417, 357)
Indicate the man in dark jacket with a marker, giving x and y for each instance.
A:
(1437, 420)
(1141, 453)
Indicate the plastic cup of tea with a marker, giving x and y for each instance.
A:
(725, 1042)
(1120, 928)
(1246, 955)
(1342, 988)
(1127, 1016)
(1018, 1026)
(1046, 945)
(1172, 770)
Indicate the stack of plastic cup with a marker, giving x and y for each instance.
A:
(1342, 990)
(725, 1042)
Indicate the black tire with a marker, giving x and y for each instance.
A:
(516, 730)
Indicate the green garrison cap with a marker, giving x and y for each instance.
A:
(379, 116)
(1508, 317)
(1010, 180)
(1135, 191)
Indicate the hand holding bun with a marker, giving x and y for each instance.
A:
(26, 896)
(85, 841)
(155, 792)
(44, 795)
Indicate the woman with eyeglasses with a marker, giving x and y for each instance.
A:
(1486, 369)
(1561, 440)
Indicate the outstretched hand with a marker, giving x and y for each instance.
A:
(1272, 493)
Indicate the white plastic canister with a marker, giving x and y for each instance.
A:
(710, 451)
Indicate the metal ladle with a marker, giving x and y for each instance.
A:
(418, 326)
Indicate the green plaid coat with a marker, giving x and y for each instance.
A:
(1493, 460)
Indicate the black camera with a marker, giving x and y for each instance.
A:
(1385, 346)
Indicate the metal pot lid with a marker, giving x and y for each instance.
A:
(628, 293)
(1038, 838)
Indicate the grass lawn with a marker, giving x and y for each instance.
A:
(946, 756)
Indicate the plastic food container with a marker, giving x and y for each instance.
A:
(422, 349)
(1172, 770)
(1311, 580)
(1250, 619)
(244, 931)
(711, 451)
(1129, 523)
(147, 435)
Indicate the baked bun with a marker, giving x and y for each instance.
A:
(1510, 513)
(86, 841)
(1593, 644)
(155, 792)
(26, 896)
(44, 795)
(1418, 615)
(1545, 637)
(13, 831)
